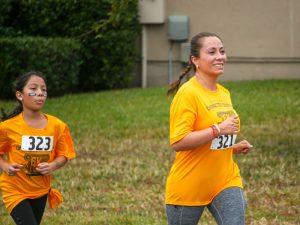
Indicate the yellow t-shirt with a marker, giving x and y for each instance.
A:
(198, 175)
(29, 146)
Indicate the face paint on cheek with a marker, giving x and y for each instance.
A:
(32, 93)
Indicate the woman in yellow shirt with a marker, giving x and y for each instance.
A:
(32, 146)
(203, 129)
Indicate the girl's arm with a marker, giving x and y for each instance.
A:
(46, 168)
(10, 169)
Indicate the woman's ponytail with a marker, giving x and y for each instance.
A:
(173, 88)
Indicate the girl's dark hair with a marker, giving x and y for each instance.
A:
(195, 46)
(19, 84)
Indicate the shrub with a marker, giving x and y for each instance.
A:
(58, 58)
(106, 29)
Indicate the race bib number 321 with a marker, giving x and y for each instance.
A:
(37, 143)
(223, 142)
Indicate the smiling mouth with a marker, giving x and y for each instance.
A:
(218, 65)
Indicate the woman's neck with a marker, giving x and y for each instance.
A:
(208, 82)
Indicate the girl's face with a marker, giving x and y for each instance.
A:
(34, 94)
(212, 57)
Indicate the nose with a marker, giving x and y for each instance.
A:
(220, 56)
(41, 93)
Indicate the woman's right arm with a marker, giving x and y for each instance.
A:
(193, 140)
(201, 137)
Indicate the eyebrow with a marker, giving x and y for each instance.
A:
(35, 84)
(214, 48)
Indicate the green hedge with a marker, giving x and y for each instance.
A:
(58, 58)
(106, 29)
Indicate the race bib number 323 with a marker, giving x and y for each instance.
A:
(223, 142)
(37, 143)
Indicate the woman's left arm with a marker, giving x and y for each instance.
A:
(242, 147)
(46, 168)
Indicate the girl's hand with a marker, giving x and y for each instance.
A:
(230, 125)
(13, 168)
(46, 168)
(242, 147)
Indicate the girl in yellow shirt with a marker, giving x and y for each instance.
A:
(32, 146)
(203, 129)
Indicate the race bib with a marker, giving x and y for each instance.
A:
(37, 143)
(223, 142)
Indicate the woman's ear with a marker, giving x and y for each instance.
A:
(194, 61)
(19, 95)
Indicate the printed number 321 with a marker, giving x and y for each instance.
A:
(223, 142)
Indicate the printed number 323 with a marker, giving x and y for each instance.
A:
(37, 143)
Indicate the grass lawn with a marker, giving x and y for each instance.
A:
(121, 138)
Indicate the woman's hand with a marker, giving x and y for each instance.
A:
(230, 125)
(242, 147)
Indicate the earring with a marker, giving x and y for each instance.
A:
(197, 66)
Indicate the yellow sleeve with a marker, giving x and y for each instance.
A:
(182, 117)
(65, 146)
(3, 140)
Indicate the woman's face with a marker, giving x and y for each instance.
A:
(212, 57)
(34, 94)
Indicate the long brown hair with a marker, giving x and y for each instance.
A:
(195, 46)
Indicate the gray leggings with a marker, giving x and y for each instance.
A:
(228, 208)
